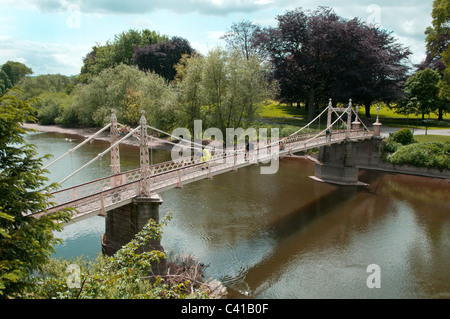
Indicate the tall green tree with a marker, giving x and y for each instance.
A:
(422, 93)
(438, 51)
(25, 242)
(240, 37)
(189, 85)
(5, 82)
(224, 88)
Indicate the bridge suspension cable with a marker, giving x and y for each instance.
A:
(307, 125)
(100, 155)
(176, 137)
(77, 147)
(339, 118)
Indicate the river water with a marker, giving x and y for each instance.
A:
(285, 235)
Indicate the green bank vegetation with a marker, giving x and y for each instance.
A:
(403, 148)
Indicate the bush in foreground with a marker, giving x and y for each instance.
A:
(126, 275)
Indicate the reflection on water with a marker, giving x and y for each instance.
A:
(287, 236)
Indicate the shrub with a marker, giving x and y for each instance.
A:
(391, 146)
(404, 136)
(126, 275)
(431, 155)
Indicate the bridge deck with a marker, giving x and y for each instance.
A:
(111, 192)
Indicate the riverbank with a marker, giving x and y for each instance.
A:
(89, 131)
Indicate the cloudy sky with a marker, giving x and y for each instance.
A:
(53, 36)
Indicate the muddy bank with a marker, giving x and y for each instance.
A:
(89, 131)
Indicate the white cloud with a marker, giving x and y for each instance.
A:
(214, 35)
(44, 58)
(143, 23)
(407, 18)
(219, 7)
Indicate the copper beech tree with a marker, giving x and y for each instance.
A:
(320, 55)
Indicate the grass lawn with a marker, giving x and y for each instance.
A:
(388, 117)
(275, 112)
(432, 138)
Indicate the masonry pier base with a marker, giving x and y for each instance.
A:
(340, 163)
(122, 224)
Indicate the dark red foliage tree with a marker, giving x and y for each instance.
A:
(162, 56)
(318, 55)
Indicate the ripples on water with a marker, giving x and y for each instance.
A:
(286, 236)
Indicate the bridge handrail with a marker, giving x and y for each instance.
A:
(109, 190)
(94, 181)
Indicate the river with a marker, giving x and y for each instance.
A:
(286, 236)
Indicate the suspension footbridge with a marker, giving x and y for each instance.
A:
(120, 188)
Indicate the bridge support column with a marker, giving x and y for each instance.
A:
(340, 163)
(334, 165)
(122, 224)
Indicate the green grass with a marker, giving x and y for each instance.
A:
(432, 138)
(386, 112)
(278, 113)
(277, 110)
(389, 118)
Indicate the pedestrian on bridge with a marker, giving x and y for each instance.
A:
(206, 157)
(328, 135)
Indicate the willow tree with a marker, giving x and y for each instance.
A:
(224, 88)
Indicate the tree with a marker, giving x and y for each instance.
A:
(422, 92)
(11, 73)
(189, 85)
(438, 35)
(118, 51)
(5, 82)
(15, 71)
(438, 52)
(240, 38)
(223, 88)
(127, 275)
(444, 84)
(318, 55)
(25, 242)
(162, 57)
(125, 89)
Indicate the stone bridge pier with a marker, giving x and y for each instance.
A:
(122, 224)
(340, 163)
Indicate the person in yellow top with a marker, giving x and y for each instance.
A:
(206, 156)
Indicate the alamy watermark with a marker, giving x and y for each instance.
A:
(73, 21)
(74, 279)
(374, 279)
(374, 18)
(241, 145)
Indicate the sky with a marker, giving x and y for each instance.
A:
(53, 36)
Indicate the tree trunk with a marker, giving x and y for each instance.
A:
(441, 114)
(311, 106)
(367, 107)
